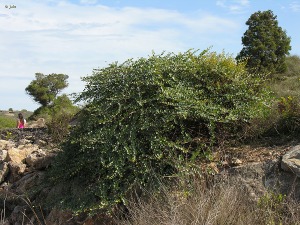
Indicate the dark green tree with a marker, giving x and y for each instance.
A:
(265, 44)
(45, 88)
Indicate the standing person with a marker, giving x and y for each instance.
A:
(21, 121)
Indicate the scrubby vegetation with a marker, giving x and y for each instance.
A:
(221, 203)
(148, 125)
(283, 120)
(160, 102)
(152, 118)
(59, 115)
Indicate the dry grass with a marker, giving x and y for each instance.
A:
(33, 216)
(221, 204)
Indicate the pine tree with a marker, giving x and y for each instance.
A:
(265, 44)
(45, 88)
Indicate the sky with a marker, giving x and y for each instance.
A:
(74, 37)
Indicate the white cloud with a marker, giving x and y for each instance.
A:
(245, 3)
(234, 6)
(88, 2)
(295, 6)
(44, 33)
(60, 37)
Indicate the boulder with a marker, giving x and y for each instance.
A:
(4, 144)
(258, 178)
(28, 148)
(15, 155)
(27, 183)
(39, 123)
(3, 155)
(291, 161)
(23, 141)
(18, 155)
(16, 171)
(3, 171)
(41, 143)
(250, 176)
(39, 159)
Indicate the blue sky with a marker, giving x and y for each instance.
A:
(75, 37)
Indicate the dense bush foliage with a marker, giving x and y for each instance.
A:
(145, 118)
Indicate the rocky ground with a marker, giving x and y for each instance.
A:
(26, 154)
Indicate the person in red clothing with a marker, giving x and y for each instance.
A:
(21, 121)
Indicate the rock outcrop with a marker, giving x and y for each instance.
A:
(291, 161)
(260, 177)
(26, 154)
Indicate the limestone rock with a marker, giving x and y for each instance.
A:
(41, 143)
(235, 162)
(28, 148)
(38, 123)
(4, 145)
(16, 171)
(39, 159)
(3, 155)
(265, 176)
(3, 171)
(291, 161)
(18, 155)
(249, 176)
(23, 141)
(27, 182)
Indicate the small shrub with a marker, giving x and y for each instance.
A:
(41, 112)
(278, 209)
(8, 135)
(288, 121)
(60, 114)
(288, 107)
(58, 127)
(271, 200)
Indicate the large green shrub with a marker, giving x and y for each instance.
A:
(143, 117)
